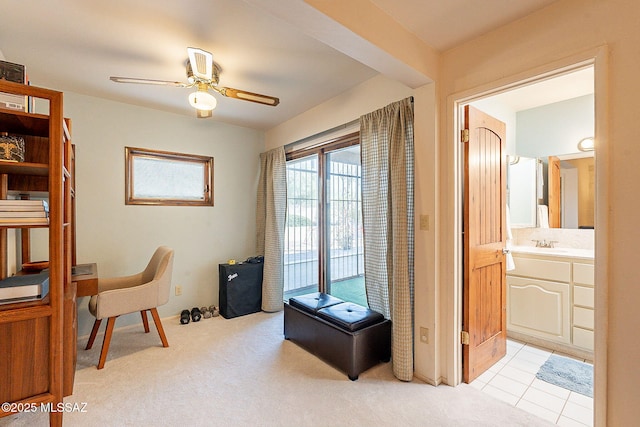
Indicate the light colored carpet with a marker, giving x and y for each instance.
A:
(568, 373)
(241, 372)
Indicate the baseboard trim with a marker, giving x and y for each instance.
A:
(429, 381)
(122, 328)
(562, 348)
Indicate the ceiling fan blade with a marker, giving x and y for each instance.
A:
(201, 63)
(247, 96)
(148, 81)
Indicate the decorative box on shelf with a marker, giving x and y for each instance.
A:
(13, 73)
(11, 147)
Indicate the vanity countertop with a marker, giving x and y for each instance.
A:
(556, 252)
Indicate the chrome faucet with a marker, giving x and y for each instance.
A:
(545, 243)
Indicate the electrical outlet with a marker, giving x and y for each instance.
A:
(178, 290)
(424, 335)
(424, 222)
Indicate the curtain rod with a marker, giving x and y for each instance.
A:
(326, 132)
(322, 133)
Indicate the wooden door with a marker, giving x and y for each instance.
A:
(484, 292)
(553, 192)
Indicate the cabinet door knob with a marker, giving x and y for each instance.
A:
(506, 251)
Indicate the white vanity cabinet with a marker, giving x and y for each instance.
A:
(583, 303)
(539, 298)
(550, 297)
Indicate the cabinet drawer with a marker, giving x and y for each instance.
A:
(583, 296)
(583, 273)
(559, 271)
(583, 338)
(583, 317)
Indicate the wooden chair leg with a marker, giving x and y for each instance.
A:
(107, 340)
(156, 319)
(94, 331)
(145, 321)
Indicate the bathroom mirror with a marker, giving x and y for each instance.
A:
(522, 189)
(576, 191)
(528, 186)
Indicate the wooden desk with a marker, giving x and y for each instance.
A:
(84, 282)
(86, 278)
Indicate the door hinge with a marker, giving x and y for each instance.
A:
(464, 135)
(464, 337)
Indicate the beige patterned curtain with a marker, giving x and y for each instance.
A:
(271, 212)
(386, 145)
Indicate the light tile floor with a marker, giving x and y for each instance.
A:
(513, 380)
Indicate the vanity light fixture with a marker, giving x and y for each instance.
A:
(586, 144)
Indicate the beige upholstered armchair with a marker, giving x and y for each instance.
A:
(139, 292)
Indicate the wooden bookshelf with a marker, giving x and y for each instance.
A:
(34, 366)
(14, 168)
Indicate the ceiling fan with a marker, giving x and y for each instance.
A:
(204, 74)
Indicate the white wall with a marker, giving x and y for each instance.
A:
(120, 238)
(564, 31)
(369, 96)
(552, 129)
(495, 108)
(555, 129)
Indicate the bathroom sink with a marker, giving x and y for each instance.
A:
(571, 252)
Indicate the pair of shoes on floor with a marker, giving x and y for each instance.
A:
(215, 312)
(206, 313)
(186, 316)
(211, 311)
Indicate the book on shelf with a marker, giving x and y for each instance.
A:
(24, 214)
(23, 221)
(18, 204)
(24, 288)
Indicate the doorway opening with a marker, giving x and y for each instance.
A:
(569, 329)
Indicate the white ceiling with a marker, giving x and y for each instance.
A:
(560, 88)
(262, 46)
(444, 24)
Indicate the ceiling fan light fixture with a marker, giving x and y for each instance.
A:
(204, 114)
(204, 74)
(202, 100)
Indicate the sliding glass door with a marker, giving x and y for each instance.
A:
(301, 237)
(344, 260)
(323, 238)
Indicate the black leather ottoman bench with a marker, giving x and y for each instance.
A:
(348, 336)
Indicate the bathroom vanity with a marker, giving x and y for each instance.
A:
(550, 298)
